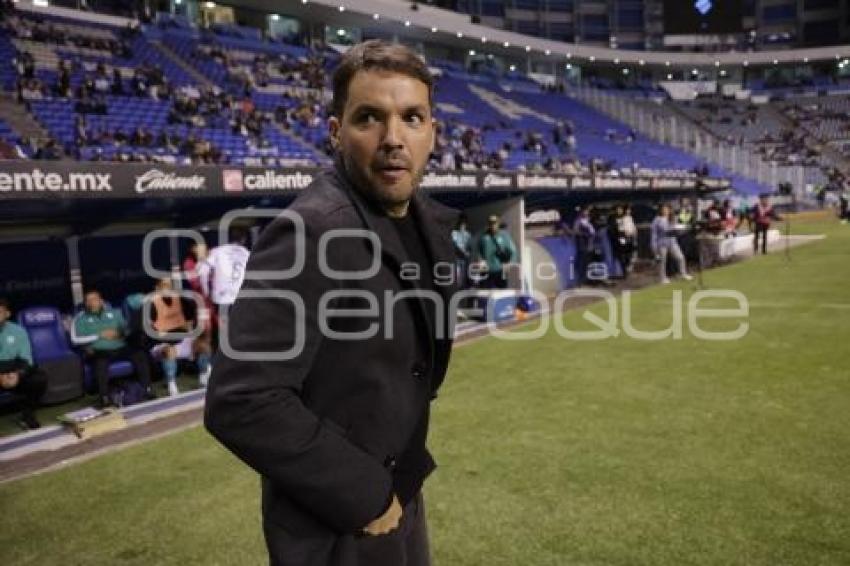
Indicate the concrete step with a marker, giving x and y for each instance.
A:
(170, 54)
(22, 122)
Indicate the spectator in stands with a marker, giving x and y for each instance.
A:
(102, 83)
(664, 243)
(100, 331)
(497, 249)
(172, 314)
(141, 137)
(18, 373)
(139, 83)
(762, 214)
(63, 80)
(31, 89)
(49, 151)
(462, 240)
(24, 65)
(81, 134)
(117, 85)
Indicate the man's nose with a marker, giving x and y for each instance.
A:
(392, 134)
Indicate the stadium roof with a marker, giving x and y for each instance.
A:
(453, 29)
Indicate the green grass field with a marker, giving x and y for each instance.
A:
(551, 452)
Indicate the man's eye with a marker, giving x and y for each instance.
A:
(415, 119)
(367, 118)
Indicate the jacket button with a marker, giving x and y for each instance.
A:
(418, 370)
(390, 462)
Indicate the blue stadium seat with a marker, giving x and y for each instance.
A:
(52, 353)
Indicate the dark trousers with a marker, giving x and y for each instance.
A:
(760, 230)
(32, 383)
(496, 280)
(405, 546)
(100, 360)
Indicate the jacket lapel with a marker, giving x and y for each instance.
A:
(435, 222)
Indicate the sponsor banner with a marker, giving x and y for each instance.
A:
(542, 181)
(614, 182)
(63, 180)
(251, 180)
(460, 180)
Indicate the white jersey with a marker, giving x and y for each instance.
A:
(222, 273)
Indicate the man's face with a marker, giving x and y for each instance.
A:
(4, 314)
(94, 302)
(385, 134)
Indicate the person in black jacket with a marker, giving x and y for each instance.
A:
(338, 342)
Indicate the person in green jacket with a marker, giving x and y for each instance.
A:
(18, 374)
(101, 331)
(497, 249)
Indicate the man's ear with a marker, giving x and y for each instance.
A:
(333, 131)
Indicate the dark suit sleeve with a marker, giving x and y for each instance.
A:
(255, 408)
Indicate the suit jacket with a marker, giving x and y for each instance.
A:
(337, 429)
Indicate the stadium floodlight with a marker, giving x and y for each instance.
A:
(776, 61)
(459, 34)
(722, 72)
(625, 71)
(506, 44)
(433, 30)
(666, 63)
(805, 59)
(694, 72)
(340, 32)
(512, 68)
(569, 65)
(547, 52)
(669, 76)
(569, 55)
(407, 23)
(616, 61)
(376, 16)
(717, 63)
(275, 17)
(342, 8)
(641, 62)
(483, 40)
(472, 52)
(527, 48)
(303, 1)
(178, 2)
(208, 5)
(592, 58)
(746, 63)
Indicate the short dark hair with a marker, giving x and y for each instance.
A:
(380, 55)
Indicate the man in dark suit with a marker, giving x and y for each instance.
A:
(326, 372)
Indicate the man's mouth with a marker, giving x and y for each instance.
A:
(392, 171)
